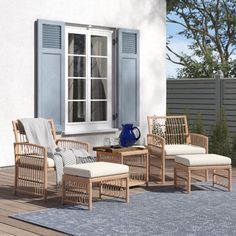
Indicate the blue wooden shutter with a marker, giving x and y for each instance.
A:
(50, 71)
(128, 76)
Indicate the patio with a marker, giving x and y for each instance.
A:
(91, 73)
(10, 204)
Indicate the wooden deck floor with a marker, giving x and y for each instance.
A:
(10, 204)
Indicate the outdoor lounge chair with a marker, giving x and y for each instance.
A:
(169, 136)
(32, 162)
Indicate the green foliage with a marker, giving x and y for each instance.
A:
(219, 142)
(233, 150)
(157, 128)
(210, 26)
(197, 126)
(206, 66)
(186, 111)
(168, 112)
(171, 4)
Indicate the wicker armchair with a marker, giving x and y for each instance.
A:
(32, 163)
(169, 136)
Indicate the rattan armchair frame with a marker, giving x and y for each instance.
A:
(31, 161)
(169, 130)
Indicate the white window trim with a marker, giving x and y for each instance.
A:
(100, 131)
(86, 127)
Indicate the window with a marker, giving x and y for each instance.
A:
(88, 79)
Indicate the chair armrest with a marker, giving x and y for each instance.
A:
(155, 140)
(29, 155)
(68, 144)
(156, 145)
(199, 140)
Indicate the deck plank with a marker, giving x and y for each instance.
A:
(27, 227)
(11, 204)
(2, 233)
(15, 231)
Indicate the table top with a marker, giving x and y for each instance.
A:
(118, 149)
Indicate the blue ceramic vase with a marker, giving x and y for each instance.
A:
(127, 136)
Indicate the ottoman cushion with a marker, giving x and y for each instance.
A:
(96, 169)
(202, 160)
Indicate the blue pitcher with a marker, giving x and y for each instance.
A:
(127, 136)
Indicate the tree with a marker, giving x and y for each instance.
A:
(233, 150)
(171, 4)
(210, 25)
(219, 142)
(198, 126)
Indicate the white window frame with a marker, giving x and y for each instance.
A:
(89, 126)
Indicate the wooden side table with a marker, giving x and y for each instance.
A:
(137, 159)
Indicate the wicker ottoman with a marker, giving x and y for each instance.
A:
(185, 164)
(113, 180)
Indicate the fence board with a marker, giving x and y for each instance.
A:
(174, 95)
(185, 106)
(193, 90)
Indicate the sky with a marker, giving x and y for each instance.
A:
(178, 44)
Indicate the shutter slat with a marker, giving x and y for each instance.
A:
(129, 43)
(51, 36)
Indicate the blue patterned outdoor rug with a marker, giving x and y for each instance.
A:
(206, 211)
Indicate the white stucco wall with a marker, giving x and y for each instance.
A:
(17, 19)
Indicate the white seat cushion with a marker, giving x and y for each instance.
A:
(178, 149)
(31, 161)
(202, 160)
(51, 163)
(96, 169)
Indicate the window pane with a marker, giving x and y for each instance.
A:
(76, 89)
(99, 45)
(98, 111)
(98, 88)
(76, 44)
(76, 66)
(98, 67)
(76, 111)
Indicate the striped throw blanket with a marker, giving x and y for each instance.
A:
(64, 157)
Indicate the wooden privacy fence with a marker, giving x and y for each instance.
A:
(205, 97)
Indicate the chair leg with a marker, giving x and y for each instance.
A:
(90, 195)
(163, 168)
(45, 195)
(230, 179)
(16, 179)
(63, 190)
(147, 169)
(189, 181)
(213, 178)
(15, 188)
(127, 189)
(206, 175)
(100, 190)
(175, 177)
